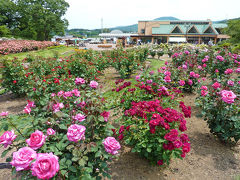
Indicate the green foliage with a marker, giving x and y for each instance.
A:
(236, 49)
(126, 61)
(4, 31)
(37, 20)
(233, 30)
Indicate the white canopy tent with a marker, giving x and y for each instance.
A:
(177, 39)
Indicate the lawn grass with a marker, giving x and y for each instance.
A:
(155, 64)
(61, 51)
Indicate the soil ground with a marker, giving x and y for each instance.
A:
(208, 159)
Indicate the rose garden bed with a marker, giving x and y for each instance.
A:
(148, 87)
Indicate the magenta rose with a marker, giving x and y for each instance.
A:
(79, 81)
(93, 84)
(111, 145)
(7, 138)
(228, 96)
(46, 166)
(4, 113)
(105, 114)
(36, 140)
(50, 132)
(22, 158)
(76, 132)
(172, 135)
(216, 85)
(79, 117)
(181, 82)
(137, 77)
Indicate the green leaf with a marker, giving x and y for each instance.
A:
(5, 127)
(63, 126)
(82, 162)
(9, 159)
(4, 153)
(69, 162)
(149, 149)
(72, 168)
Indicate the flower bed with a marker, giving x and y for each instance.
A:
(16, 46)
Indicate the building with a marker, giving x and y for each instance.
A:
(117, 35)
(177, 31)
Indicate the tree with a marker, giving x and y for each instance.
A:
(34, 19)
(7, 13)
(42, 16)
(233, 30)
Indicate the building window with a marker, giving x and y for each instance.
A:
(142, 31)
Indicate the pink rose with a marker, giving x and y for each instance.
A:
(228, 96)
(79, 117)
(204, 88)
(151, 72)
(60, 93)
(67, 94)
(230, 83)
(57, 107)
(196, 75)
(228, 71)
(111, 145)
(216, 85)
(167, 73)
(167, 79)
(149, 81)
(79, 81)
(7, 138)
(190, 82)
(76, 133)
(192, 74)
(27, 110)
(46, 166)
(137, 77)
(204, 93)
(22, 158)
(93, 84)
(30, 104)
(76, 92)
(105, 114)
(36, 140)
(4, 113)
(181, 82)
(50, 132)
(184, 66)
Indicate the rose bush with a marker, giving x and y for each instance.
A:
(16, 46)
(70, 135)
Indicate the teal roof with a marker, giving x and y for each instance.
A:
(163, 29)
(168, 28)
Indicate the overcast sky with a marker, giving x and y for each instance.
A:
(88, 13)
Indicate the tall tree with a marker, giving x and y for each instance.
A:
(7, 13)
(34, 19)
(233, 30)
(43, 16)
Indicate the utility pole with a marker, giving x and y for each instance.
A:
(101, 25)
